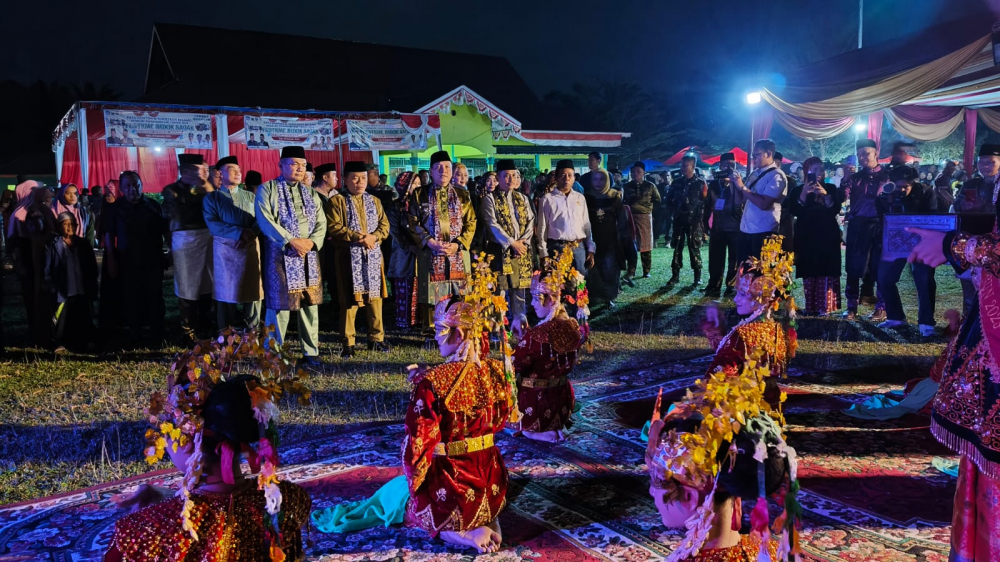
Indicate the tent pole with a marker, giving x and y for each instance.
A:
(84, 140)
(221, 135)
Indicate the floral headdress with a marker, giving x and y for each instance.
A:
(178, 415)
(479, 313)
(769, 279)
(564, 282)
(725, 406)
(769, 282)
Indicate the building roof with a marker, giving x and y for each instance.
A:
(180, 71)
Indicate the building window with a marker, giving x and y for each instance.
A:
(400, 165)
(476, 166)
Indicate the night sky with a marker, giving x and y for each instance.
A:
(686, 46)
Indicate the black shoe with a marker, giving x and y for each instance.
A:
(628, 281)
(730, 292)
(311, 360)
(646, 275)
(870, 299)
(379, 346)
(697, 280)
(713, 291)
(347, 352)
(851, 315)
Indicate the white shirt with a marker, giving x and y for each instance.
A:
(563, 217)
(756, 220)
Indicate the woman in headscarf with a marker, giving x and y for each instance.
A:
(68, 201)
(607, 221)
(32, 225)
(816, 206)
(109, 313)
(487, 184)
(403, 260)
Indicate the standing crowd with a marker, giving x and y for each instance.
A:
(328, 243)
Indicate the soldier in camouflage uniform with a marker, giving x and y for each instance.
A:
(687, 197)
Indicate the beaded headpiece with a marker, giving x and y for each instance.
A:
(564, 282)
(768, 279)
(479, 312)
(177, 417)
(725, 406)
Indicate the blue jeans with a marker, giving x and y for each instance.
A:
(889, 273)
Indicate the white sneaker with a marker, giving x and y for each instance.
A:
(892, 324)
(926, 330)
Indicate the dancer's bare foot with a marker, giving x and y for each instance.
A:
(480, 538)
(546, 436)
(497, 534)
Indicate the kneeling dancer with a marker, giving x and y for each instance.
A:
(762, 285)
(701, 469)
(206, 423)
(547, 352)
(455, 482)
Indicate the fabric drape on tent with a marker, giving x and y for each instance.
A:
(108, 163)
(875, 129)
(70, 172)
(676, 158)
(157, 169)
(971, 123)
(925, 123)
(890, 92)
(814, 128)
(990, 117)
(263, 161)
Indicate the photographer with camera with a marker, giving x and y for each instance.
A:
(815, 206)
(724, 233)
(904, 195)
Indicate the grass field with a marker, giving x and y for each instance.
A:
(74, 420)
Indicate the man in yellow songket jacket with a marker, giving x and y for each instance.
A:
(357, 225)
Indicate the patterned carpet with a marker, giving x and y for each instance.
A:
(869, 489)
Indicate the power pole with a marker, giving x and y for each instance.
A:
(861, 22)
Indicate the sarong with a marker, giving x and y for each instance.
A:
(644, 231)
(277, 296)
(192, 253)
(975, 525)
(237, 271)
(822, 294)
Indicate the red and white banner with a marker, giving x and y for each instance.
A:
(407, 133)
(278, 132)
(157, 128)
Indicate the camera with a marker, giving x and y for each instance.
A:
(811, 177)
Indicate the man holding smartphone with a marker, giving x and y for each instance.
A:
(761, 197)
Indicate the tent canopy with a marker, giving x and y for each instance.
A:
(926, 85)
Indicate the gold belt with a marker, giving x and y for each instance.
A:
(543, 383)
(470, 445)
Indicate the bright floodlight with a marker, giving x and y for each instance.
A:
(859, 127)
(753, 98)
(157, 149)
